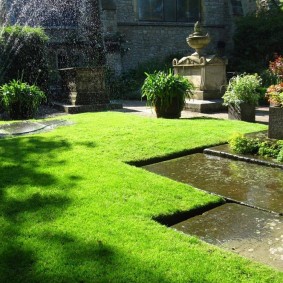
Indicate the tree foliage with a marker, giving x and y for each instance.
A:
(257, 37)
(23, 55)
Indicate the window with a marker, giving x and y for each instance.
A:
(169, 10)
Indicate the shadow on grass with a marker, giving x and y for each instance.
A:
(203, 118)
(95, 261)
(31, 250)
(27, 197)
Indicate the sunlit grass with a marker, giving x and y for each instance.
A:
(72, 210)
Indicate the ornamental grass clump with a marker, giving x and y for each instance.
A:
(165, 91)
(243, 88)
(20, 99)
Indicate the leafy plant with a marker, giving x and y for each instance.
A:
(268, 78)
(23, 55)
(276, 66)
(241, 144)
(128, 84)
(21, 100)
(275, 94)
(162, 87)
(251, 54)
(242, 88)
(269, 148)
(280, 155)
(266, 148)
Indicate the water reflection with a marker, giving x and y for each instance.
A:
(253, 184)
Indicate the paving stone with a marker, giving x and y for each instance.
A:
(252, 233)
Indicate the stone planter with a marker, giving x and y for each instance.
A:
(275, 129)
(243, 112)
(84, 86)
(173, 111)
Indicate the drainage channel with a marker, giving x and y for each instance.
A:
(250, 223)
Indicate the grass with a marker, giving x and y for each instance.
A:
(72, 210)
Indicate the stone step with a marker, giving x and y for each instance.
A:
(205, 106)
(74, 109)
(207, 94)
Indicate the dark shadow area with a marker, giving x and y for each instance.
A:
(203, 118)
(99, 260)
(20, 160)
(140, 163)
(172, 219)
(262, 112)
(127, 110)
(17, 264)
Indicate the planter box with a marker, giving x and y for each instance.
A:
(84, 86)
(275, 129)
(243, 112)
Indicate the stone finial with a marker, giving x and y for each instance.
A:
(198, 39)
(198, 29)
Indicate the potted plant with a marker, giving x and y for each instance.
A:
(275, 97)
(167, 93)
(242, 96)
(20, 99)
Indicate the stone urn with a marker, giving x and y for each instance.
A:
(198, 40)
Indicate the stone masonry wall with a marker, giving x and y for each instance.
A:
(149, 40)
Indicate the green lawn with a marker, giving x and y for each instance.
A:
(73, 210)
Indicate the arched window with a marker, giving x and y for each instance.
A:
(169, 10)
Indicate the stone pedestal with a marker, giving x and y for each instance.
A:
(208, 74)
(275, 129)
(84, 90)
(84, 86)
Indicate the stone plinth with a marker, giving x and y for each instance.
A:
(84, 86)
(208, 74)
(275, 129)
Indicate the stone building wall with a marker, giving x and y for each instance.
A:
(148, 40)
(145, 40)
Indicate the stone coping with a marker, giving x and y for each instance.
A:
(225, 151)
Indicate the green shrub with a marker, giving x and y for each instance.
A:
(268, 78)
(257, 37)
(266, 148)
(269, 149)
(21, 100)
(241, 144)
(23, 55)
(128, 85)
(280, 156)
(124, 86)
(242, 88)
